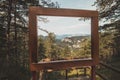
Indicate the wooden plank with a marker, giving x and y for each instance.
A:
(80, 78)
(95, 40)
(93, 75)
(34, 75)
(102, 76)
(32, 37)
(110, 67)
(62, 64)
(33, 42)
(63, 12)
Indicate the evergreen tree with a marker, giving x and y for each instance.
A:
(14, 37)
(109, 12)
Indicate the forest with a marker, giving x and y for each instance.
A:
(14, 37)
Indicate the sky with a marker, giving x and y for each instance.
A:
(68, 25)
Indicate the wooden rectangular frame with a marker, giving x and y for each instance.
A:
(63, 64)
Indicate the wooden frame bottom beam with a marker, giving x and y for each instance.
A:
(62, 64)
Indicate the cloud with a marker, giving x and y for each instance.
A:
(72, 29)
(65, 25)
(54, 19)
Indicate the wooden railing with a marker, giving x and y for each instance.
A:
(84, 69)
(108, 67)
(102, 76)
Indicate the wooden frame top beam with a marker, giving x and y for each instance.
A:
(63, 12)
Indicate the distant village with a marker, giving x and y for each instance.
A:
(74, 42)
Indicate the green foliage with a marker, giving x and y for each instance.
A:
(86, 47)
(108, 9)
(106, 45)
(14, 58)
(110, 35)
(53, 49)
(41, 48)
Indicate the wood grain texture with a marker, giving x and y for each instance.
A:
(62, 64)
(63, 12)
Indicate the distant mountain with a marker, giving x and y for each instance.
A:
(70, 35)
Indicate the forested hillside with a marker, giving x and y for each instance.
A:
(73, 47)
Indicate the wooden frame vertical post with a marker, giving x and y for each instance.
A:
(33, 41)
(93, 74)
(95, 45)
(94, 39)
